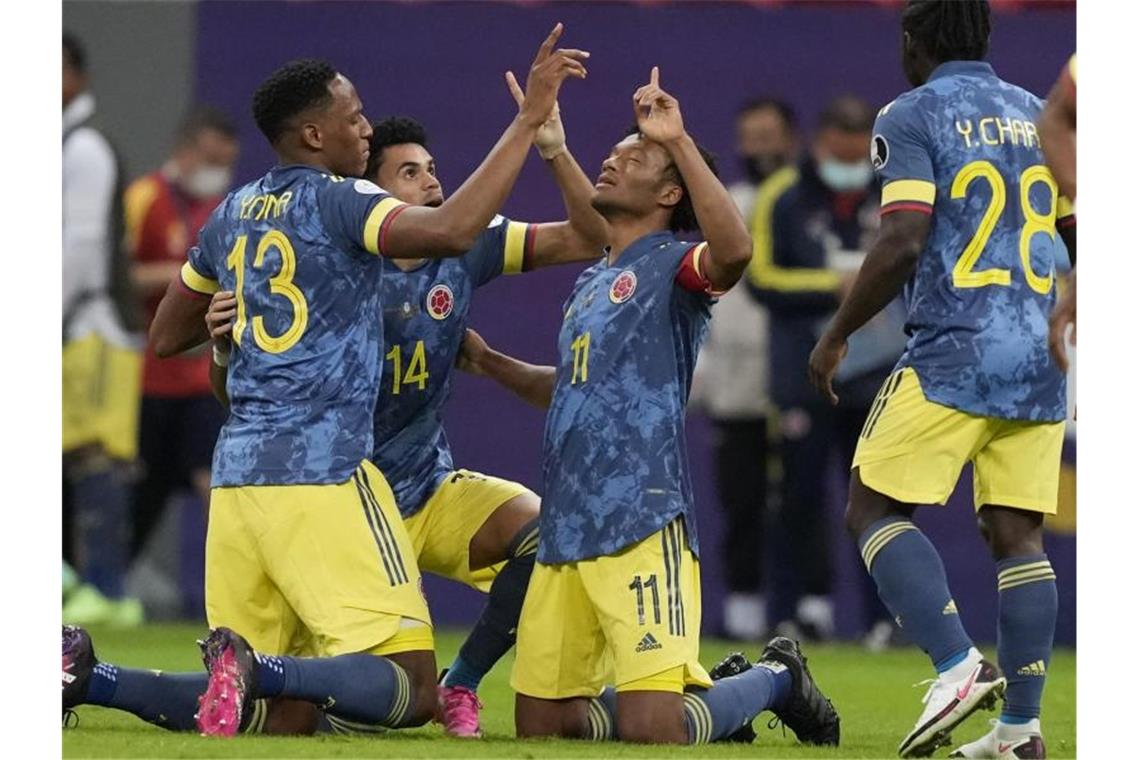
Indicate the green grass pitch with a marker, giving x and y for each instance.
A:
(873, 693)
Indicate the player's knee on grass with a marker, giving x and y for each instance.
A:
(651, 717)
(421, 670)
(563, 718)
(1011, 532)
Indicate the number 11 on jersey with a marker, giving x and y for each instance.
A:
(581, 348)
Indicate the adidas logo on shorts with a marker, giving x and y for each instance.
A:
(647, 643)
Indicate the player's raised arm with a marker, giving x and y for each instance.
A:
(530, 382)
(1057, 127)
(451, 229)
(585, 232)
(729, 244)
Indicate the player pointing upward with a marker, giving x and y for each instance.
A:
(617, 566)
(970, 227)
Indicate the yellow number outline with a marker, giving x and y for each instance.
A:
(417, 372)
(1036, 223)
(581, 348)
(964, 275)
(280, 284)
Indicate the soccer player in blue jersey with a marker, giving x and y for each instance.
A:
(472, 528)
(971, 224)
(617, 578)
(306, 551)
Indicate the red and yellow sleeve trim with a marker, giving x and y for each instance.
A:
(908, 195)
(691, 274)
(197, 283)
(377, 224)
(518, 247)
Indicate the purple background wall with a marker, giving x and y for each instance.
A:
(443, 62)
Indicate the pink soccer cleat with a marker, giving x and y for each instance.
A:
(229, 695)
(459, 708)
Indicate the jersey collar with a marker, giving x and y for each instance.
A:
(956, 68)
(642, 246)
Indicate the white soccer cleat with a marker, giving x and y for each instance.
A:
(1007, 742)
(950, 700)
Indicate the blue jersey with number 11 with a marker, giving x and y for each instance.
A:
(299, 247)
(964, 148)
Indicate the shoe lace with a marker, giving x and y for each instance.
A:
(70, 719)
(932, 684)
(462, 699)
(777, 721)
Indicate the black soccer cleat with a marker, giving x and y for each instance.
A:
(78, 663)
(733, 665)
(807, 711)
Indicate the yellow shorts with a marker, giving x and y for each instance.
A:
(638, 610)
(315, 569)
(913, 450)
(101, 390)
(441, 532)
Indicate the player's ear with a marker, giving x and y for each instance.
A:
(670, 194)
(311, 135)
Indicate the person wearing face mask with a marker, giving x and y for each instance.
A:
(730, 383)
(822, 215)
(179, 419)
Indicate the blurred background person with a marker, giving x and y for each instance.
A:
(101, 361)
(731, 384)
(824, 213)
(179, 418)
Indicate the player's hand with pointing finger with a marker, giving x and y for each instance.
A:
(658, 113)
(549, 69)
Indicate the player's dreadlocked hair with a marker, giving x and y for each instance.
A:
(296, 86)
(684, 218)
(950, 30)
(395, 130)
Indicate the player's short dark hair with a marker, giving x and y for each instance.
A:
(782, 108)
(684, 217)
(950, 30)
(847, 113)
(291, 89)
(74, 52)
(201, 118)
(395, 130)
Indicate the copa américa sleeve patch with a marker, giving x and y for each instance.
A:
(365, 187)
(880, 152)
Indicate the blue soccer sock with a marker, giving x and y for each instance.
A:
(359, 692)
(912, 583)
(494, 633)
(1027, 616)
(168, 700)
(602, 716)
(730, 703)
(102, 511)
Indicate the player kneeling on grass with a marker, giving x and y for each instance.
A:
(463, 525)
(617, 565)
(306, 551)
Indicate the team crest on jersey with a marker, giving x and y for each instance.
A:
(624, 286)
(880, 152)
(440, 302)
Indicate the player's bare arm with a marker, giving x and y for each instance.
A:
(889, 264)
(532, 383)
(220, 324)
(451, 229)
(585, 232)
(729, 244)
(1057, 127)
(178, 323)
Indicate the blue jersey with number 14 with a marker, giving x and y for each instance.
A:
(299, 247)
(964, 147)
